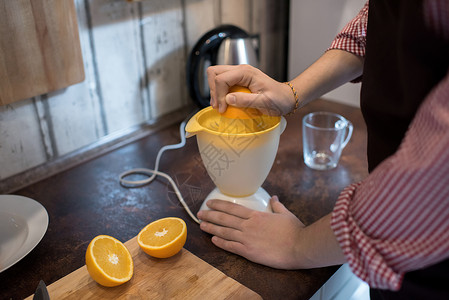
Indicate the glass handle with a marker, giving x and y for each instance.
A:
(350, 129)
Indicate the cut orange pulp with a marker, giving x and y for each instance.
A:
(108, 261)
(163, 238)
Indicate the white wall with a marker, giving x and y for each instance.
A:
(313, 26)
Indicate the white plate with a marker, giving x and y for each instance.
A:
(23, 223)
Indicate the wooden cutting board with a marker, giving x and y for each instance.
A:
(183, 276)
(39, 48)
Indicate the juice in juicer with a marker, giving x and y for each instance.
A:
(237, 155)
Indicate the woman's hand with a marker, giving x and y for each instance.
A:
(334, 68)
(271, 239)
(278, 239)
(268, 95)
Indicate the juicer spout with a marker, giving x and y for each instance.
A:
(190, 134)
(193, 127)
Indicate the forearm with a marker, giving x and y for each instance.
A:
(334, 68)
(318, 246)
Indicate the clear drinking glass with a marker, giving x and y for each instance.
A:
(324, 138)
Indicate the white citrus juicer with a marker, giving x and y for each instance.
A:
(238, 161)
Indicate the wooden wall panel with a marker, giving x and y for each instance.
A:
(39, 48)
(164, 46)
(76, 112)
(21, 143)
(72, 119)
(118, 54)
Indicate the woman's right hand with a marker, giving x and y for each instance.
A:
(267, 95)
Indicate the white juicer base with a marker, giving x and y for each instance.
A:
(260, 200)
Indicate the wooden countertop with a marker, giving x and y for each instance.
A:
(88, 200)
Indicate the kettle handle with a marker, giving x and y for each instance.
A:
(206, 49)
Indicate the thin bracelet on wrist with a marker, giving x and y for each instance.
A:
(296, 98)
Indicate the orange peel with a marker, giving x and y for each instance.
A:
(108, 261)
(233, 112)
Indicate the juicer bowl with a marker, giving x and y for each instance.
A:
(238, 164)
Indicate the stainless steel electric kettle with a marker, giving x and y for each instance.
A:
(224, 45)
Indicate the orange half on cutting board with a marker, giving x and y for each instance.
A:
(108, 261)
(163, 238)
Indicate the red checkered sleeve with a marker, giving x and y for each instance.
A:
(397, 219)
(352, 38)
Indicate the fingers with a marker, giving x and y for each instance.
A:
(244, 100)
(223, 221)
(226, 233)
(221, 78)
(231, 246)
(212, 73)
(230, 208)
(277, 206)
(267, 95)
(219, 84)
(220, 219)
(224, 226)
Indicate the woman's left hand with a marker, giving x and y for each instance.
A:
(271, 239)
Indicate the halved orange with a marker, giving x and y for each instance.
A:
(233, 112)
(163, 238)
(108, 261)
(239, 88)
